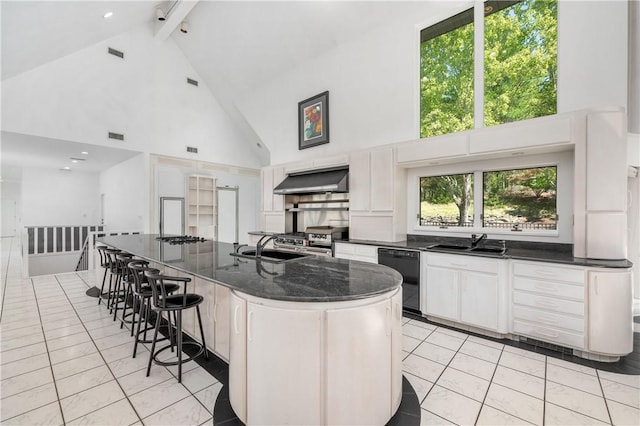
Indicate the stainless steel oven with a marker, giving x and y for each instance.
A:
(407, 262)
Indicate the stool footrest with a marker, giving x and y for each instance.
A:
(168, 363)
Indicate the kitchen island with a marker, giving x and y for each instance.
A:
(315, 340)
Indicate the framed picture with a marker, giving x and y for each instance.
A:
(313, 121)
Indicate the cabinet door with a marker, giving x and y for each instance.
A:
(610, 313)
(266, 177)
(369, 333)
(359, 182)
(221, 322)
(479, 299)
(206, 289)
(278, 200)
(442, 292)
(238, 356)
(283, 340)
(396, 351)
(382, 180)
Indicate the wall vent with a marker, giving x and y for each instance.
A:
(115, 52)
(192, 149)
(116, 136)
(192, 81)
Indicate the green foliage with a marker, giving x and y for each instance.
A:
(520, 70)
(457, 189)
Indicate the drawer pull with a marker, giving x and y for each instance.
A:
(547, 287)
(458, 264)
(546, 304)
(545, 272)
(546, 334)
(547, 320)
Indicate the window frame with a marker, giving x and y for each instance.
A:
(443, 24)
(563, 161)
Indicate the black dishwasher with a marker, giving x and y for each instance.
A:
(407, 262)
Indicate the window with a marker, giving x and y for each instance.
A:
(522, 199)
(446, 201)
(520, 72)
(518, 200)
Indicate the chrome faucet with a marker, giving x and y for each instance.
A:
(263, 242)
(475, 239)
(237, 247)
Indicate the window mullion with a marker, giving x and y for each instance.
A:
(478, 64)
(478, 201)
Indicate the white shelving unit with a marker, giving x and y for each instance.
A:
(201, 206)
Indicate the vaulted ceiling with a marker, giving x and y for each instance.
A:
(235, 46)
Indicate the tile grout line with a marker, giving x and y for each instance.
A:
(489, 387)
(55, 386)
(5, 279)
(103, 359)
(606, 404)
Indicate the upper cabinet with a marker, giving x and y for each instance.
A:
(376, 196)
(273, 217)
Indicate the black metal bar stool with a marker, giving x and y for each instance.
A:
(119, 291)
(110, 260)
(104, 264)
(163, 302)
(142, 294)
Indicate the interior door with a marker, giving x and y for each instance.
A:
(227, 214)
(171, 216)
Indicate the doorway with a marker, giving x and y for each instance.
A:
(171, 216)
(227, 203)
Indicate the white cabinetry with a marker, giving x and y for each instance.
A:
(376, 196)
(548, 303)
(277, 339)
(610, 312)
(465, 289)
(361, 252)
(273, 216)
(221, 321)
(201, 208)
(330, 363)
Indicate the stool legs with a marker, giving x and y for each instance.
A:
(204, 344)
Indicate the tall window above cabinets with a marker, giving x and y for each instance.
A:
(498, 70)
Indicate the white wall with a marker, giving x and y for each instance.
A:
(373, 87)
(10, 198)
(125, 188)
(83, 96)
(171, 182)
(53, 197)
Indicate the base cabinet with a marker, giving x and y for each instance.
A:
(610, 312)
(316, 363)
(465, 289)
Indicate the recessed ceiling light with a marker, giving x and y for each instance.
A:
(107, 15)
(74, 161)
(84, 153)
(67, 168)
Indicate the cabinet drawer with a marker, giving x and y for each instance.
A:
(549, 334)
(549, 319)
(550, 288)
(544, 271)
(357, 249)
(549, 303)
(468, 263)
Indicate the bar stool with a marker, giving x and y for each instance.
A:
(141, 294)
(121, 271)
(104, 264)
(163, 302)
(110, 261)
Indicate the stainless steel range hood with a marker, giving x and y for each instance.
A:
(335, 179)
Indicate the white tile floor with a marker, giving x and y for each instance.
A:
(64, 361)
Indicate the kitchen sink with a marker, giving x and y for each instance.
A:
(496, 250)
(269, 255)
(448, 247)
(452, 247)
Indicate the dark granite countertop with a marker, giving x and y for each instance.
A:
(521, 250)
(308, 279)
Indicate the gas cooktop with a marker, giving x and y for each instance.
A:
(181, 239)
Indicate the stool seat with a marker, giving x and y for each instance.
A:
(176, 303)
(181, 301)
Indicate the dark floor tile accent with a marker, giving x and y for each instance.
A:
(408, 413)
(636, 319)
(629, 364)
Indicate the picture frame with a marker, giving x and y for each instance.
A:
(313, 121)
